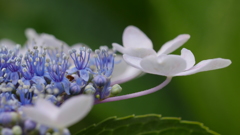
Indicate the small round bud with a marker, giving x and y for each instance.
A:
(15, 116)
(46, 64)
(37, 59)
(98, 96)
(2, 61)
(26, 86)
(74, 50)
(75, 89)
(17, 130)
(116, 89)
(58, 55)
(89, 50)
(56, 133)
(24, 70)
(35, 47)
(29, 125)
(70, 51)
(30, 59)
(97, 51)
(89, 89)
(55, 91)
(47, 60)
(5, 117)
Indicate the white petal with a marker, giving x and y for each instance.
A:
(133, 61)
(47, 108)
(8, 43)
(45, 40)
(119, 48)
(206, 65)
(50, 40)
(77, 46)
(31, 34)
(166, 65)
(35, 115)
(122, 71)
(134, 37)
(44, 112)
(174, 44)
(140, 52)
(74, 110)
(188, 56)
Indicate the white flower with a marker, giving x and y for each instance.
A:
(175, 65)
(137, 44)
(123, 72)
(70, 112)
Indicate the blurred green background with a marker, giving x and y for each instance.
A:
(210, 97)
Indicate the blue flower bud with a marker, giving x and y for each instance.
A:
(29, 125)
(5, 118)
(99, 81)
(75, 88)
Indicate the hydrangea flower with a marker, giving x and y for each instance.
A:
(42, 90)
(57, 70)
(81, 60)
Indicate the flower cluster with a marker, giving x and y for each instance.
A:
(47, 86)
(45, 71)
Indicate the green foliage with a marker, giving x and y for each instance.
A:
(150, 124)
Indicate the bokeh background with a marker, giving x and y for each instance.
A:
(209, 97)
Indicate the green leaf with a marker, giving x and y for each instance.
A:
(151, 124)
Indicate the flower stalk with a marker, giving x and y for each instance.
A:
(137, 94)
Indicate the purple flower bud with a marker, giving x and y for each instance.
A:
(29, 125)
(99, 81)
(5, 118)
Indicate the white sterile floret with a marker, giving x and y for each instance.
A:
(137, 44)
(70, 112)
